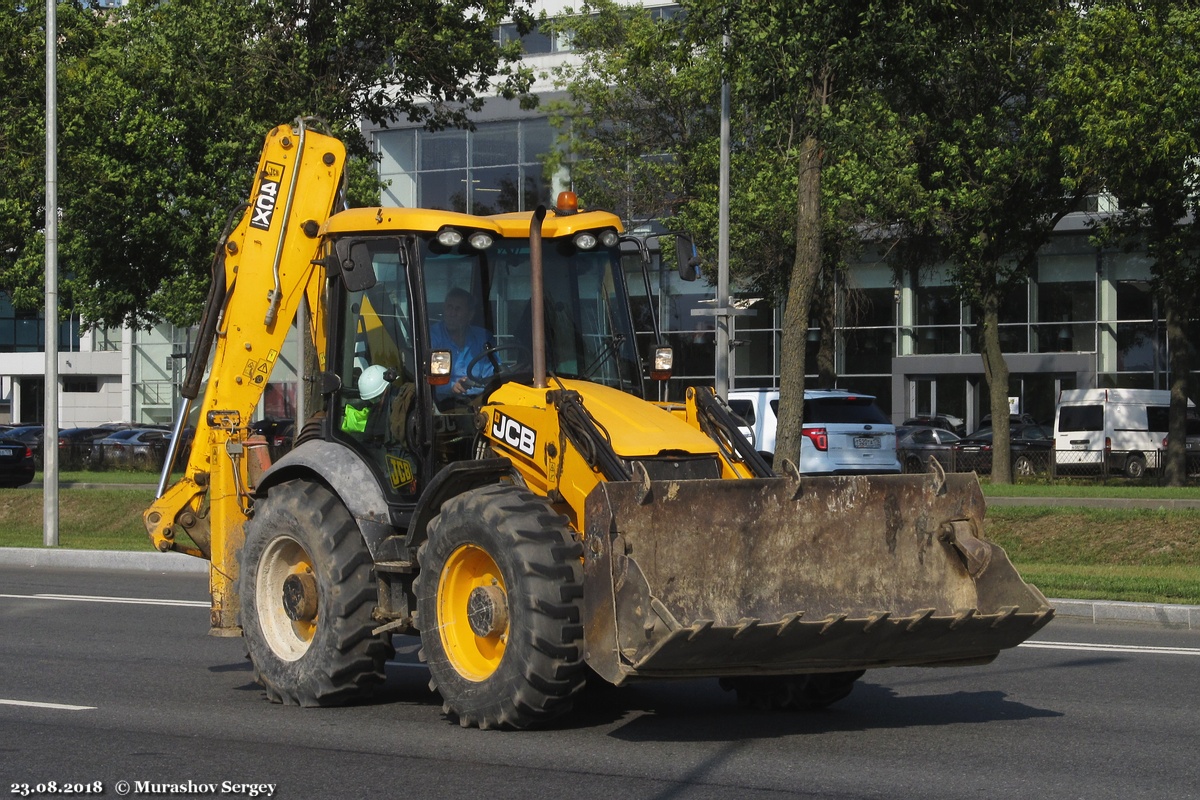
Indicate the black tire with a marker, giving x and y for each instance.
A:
(808, 692)
(913, 465)
(499, 599)
(1023, 466)
(1135, 467)
(316, 647)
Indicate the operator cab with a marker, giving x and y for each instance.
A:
(449, 317)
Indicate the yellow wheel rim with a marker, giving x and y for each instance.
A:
(472, 612)
(286, 596)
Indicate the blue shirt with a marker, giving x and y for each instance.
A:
(477, 340)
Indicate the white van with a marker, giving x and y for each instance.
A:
(845, 433)
(1124, 427)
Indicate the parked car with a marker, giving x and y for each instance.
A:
(29, 434)
(844, 432)
(944, 421)
(1030, 443)
(917, 445)
(16, 462)
(75, 446)
(132, 448)
(280, 441)
(1113, 430)
(1013, 419)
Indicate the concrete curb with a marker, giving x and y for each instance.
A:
(1157, 614)
(1089, 611)
(132, 561)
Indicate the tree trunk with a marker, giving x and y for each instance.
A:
(805, 270)
(995, 372)
(1177, 342)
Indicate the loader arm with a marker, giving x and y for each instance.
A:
(262, 270)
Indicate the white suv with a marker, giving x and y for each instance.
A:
(845, 433)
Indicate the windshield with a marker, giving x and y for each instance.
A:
(588, 333)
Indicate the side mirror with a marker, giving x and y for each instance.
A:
(686, 257)
(354, 265)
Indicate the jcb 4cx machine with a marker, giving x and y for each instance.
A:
(482, 467)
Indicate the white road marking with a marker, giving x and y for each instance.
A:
(1115, 648)
(81, 598)
(55, 706)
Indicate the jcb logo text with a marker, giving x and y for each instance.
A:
(508, 430)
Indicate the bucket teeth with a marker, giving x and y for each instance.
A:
(919, 618)
(1004, 614)
(699, 627)
(788, 621)
(961, 617)
(745, 625)
(874, 620)
(837, 643)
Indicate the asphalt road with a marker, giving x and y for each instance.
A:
(108, 676)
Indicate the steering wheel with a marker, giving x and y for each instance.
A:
(521, 364)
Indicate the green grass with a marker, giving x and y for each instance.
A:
(1130, 584)
(1139, 555)
(88, 519)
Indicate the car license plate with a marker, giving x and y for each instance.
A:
(870, 442)
(7, 451)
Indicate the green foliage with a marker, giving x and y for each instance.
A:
(162, 108)
(641, 121)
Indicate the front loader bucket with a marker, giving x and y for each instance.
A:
(786, 576)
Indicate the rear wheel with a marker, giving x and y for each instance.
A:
(1135, 467)
(307, 591)
(499, 605)
(1023, 466)
(807, 692)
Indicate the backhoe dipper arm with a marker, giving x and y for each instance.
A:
(261, 275)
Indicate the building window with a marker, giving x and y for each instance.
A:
(80, 383)
(492, 170)
(25, 332)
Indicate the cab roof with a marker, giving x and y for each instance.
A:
(383, 219)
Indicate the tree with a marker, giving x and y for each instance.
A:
(162, 117)
(23, 135)
(1132, 78)
(816, 150)
(992, 162)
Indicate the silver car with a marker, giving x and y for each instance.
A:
(845, 433)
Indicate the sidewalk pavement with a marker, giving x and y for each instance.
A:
(1088, 611)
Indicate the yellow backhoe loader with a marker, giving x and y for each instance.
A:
(526, 509)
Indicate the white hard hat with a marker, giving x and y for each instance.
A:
(372, 382)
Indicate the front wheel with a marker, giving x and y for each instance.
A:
(499, 600)
(307, 594)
